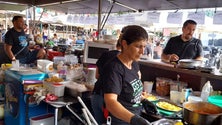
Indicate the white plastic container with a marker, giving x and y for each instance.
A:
(45, 65)
(58, 89)
(175, 96)
(55, 88)
(91, 76)
(46, 119)
(148, 86)
(194, 99)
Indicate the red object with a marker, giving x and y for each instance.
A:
(52, 54)
(57, 84)
(51, 97)
(105, 112)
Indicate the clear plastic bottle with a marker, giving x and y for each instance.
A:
(59, 66)
(62, 70)
(206, 91)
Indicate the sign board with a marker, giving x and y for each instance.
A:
(153, 17)
(199, 17)
(217, 19)
(174, 18)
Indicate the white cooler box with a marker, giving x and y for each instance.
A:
(46, 119)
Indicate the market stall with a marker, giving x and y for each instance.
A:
(150, 69)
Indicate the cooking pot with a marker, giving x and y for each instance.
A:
(189, 63)
(202, 113)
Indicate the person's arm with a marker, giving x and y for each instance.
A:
(165, 57)
(97, 72)
(116, 109)
(8, 51)
(199, 58)
(139, 73)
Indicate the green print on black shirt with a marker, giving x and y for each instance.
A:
(137, 90)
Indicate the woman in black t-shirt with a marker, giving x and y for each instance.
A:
(97, 100)
(121, 78)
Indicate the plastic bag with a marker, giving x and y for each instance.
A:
(206, 90)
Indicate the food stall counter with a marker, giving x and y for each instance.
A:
(151, 69)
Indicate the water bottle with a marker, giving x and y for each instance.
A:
(185, 94)
(206, 90)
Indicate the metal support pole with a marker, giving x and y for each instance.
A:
(99, 19)
(6, 21)
(27, 16)
(34, 25)
(56, 116)
(104, 22)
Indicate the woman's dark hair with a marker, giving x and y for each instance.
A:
(120, 37)
(133, 33)
(189, 22)
(16, 18)
(118, 44)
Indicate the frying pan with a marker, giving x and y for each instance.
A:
(189, 63)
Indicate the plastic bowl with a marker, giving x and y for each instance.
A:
(216, 100)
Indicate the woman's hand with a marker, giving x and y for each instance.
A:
(144, 94)
(138, 120)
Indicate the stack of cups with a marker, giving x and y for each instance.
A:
(15, 64)
(147, 86)
(91, 76)
(175, 96)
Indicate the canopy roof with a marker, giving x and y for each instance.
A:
(91, 6)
